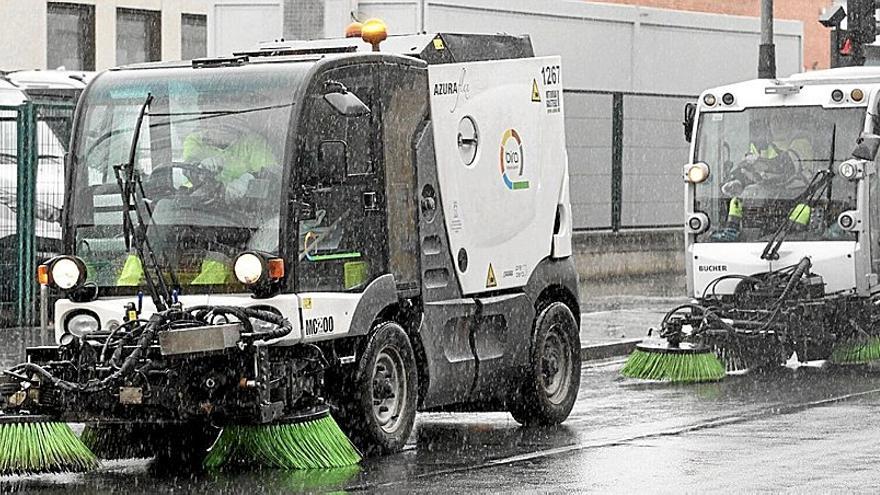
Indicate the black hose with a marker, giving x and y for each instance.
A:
(244, 315)
(146, 333)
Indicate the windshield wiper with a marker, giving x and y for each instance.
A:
(128, 180)
(807, 199)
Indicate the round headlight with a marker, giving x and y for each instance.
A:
(709, 100)
(697, 173)
(847, 220)
(67, 272)
(727, 99)
(697, 223)
(248, 268)
(857, 95)
(837, 95)
(81, 324)
(847, 170)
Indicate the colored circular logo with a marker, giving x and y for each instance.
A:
(511, 161)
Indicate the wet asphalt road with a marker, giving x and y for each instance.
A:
(798, 428)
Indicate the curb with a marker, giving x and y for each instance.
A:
(607, 350)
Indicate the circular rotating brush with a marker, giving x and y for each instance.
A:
(309, 440)
(36, 444)
(684, 363)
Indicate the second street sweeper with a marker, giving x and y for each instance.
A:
(782, 229)
(255, 242)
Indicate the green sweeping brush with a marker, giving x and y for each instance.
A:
(683, 364)
(861, 351)
(34, 445)
(314, 441)
(118, 441)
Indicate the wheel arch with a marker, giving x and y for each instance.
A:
(561, 294)
(555, 280)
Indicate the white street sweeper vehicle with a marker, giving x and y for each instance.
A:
(782, 203)
(257, 239)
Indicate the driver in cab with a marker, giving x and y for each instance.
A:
(770, 166)
(234, 156)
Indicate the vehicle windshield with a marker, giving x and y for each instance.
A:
(761, 159)
(209, 157)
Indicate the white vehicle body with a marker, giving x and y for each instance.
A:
(846, 264)
(502, 224)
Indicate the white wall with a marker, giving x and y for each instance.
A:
(611, 47)
(24, 36)
(235, 25)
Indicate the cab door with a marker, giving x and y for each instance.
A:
(341, 243)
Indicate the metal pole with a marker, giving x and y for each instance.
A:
(423, 12)
(26, 203)
(767, 50)
(616, 161)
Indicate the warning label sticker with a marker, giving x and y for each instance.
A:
(536, 93)
(490, 277)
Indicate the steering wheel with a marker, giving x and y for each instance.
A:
(799, 169)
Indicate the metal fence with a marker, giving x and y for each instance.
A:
(625, 153)
(33, 141)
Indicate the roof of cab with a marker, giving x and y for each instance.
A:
(20, 86)
(50, 79)
(436, 48)
(833, 75)
(843, 77)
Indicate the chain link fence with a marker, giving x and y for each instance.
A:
(33, 142)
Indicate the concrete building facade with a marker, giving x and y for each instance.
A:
(41, 32)
(816, 36)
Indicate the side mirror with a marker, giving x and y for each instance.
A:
(690, 112)
(344, 101)
(866, 147)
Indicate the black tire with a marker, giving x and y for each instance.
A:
(551, 381)
(377, 418)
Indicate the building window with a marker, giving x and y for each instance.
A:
(71, 36)
(194, 36)
(138, 36)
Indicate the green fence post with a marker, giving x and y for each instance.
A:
(616, 160)
(25, 205)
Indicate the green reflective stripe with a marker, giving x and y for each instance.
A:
(736, 208)
(800, 214)
(334, 256)
(213, 272)
(132, 272)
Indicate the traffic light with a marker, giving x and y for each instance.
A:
(847, 44)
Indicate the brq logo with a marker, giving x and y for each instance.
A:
(512, 161)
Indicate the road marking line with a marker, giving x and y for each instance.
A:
(717, 422)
